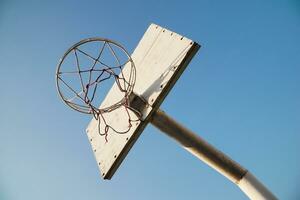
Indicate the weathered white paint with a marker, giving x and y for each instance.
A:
(160, 58)
(254, 189)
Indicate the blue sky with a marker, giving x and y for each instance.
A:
(240, 92)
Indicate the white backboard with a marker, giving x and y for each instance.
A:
(160, 58)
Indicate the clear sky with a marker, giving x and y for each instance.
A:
(241, 92)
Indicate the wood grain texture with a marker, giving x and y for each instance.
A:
(160, 58)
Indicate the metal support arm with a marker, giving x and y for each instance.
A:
(211, 156)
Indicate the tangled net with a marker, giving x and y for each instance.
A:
(78, 81)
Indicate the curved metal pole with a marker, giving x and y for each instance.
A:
(211, 156)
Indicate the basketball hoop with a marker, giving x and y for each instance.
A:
(161, 56)
(81, 91)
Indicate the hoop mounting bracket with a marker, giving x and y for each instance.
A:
(140, 105)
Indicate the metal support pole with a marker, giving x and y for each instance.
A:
(211, 156)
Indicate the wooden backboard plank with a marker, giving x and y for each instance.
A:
(160, 58)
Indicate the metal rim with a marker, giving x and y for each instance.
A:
(87, 108)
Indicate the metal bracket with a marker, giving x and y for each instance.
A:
(140, 105)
